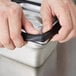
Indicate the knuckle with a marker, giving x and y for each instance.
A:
(15, 9)
(69, 28)
(42, 10)
(2, 13)
(6, 42)
(14, 37)
(64, 7)
(62, 38)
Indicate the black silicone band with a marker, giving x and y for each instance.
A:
(26, 1)
(42, 37)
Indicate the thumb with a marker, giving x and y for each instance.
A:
(28, 27)
(47, 16)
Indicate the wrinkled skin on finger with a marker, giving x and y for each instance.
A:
(12, 19)
(65, 11)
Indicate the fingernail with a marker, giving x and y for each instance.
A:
(52, 40)
(47, 25)
(20, 43)
(10, 46)
(34, 31)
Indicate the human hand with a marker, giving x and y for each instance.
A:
(65, 11)
(12, 20)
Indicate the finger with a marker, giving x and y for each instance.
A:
(62, 12)
(28, 26)
(4, 34)
(72, 9)
(15, 26)
(47, 16)
(73, 33)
